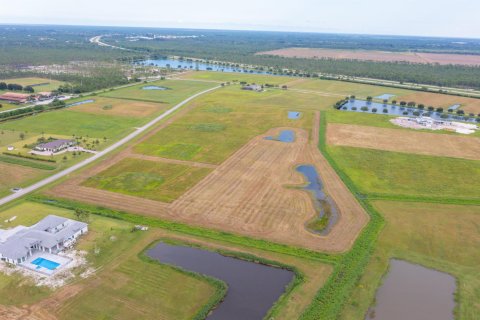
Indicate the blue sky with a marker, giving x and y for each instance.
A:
(400, 17)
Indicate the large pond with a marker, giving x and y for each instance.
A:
(412, 292)
(325, 206)
(396, 110)
(196, 65)
(252, 288)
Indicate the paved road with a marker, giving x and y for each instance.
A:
(114, 146)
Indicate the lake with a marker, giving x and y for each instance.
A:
(411, 291)
(197, 65)
(252, 288)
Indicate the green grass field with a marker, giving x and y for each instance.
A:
(349, 88)
(153, 180)
(390, 173)
(178, 90)
(69, 122)
(230, 77)
(442, 237)
(225, 120)
(44, 84)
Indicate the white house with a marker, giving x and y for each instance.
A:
(55, 145)
(52, 234)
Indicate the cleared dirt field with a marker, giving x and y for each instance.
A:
(119, 107)
(443, 100)
(403, 141)
(373, 55)
(248, 194)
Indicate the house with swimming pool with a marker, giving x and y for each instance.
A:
(37, 247)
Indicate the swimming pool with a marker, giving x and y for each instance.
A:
(45, 263)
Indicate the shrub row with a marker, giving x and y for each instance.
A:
(19, 155)
(26, 163)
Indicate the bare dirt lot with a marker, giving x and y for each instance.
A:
(248, 194)
(404, 141)
(372, 55)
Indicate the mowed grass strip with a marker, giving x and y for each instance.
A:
(377, 172)
(223, 121)
(148, 179)
(176, 91)
(438, 236)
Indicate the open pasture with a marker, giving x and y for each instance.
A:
(177, 91)
(223, 121)
(404, 141)
(12, 176)
(344, 88)
(38, 84)
(70, 122)
(469, 105)
(247, 194)
(236, 77)
(438, 236)
(148, 179)
(8, 137)
(377, 172)
(118, 107)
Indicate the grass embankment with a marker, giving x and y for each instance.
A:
(149, 179)
(438, 236)
(224, 121)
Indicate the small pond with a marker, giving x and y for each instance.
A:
(356, 105)
(252, 288)
(287, 136)
(454, 107)
(79, 103)
(154, 88)
(410, 291)
(294, 115)
(326, 207)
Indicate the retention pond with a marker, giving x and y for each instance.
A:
(325, 206)
(252, 288)
(412, 292)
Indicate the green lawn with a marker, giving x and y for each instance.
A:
(178, 90)
(69, 122)
(225, 120)
(399, 174)
(149, 179)
(443, 237)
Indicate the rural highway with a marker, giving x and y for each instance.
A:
(114, 146)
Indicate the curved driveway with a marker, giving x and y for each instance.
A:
(114, 146)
